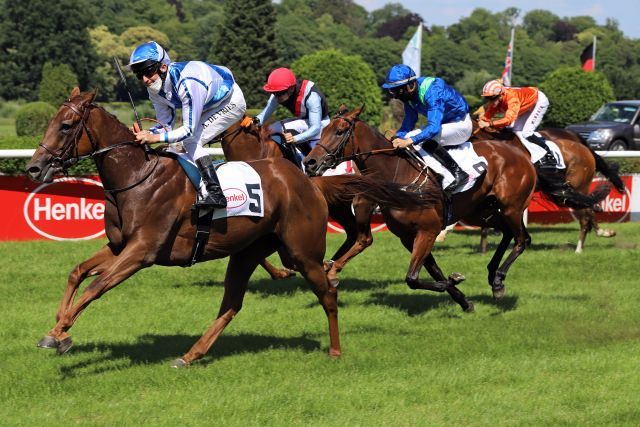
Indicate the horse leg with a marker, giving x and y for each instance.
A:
(341, 213)
(420, 247)
(89, 267)
(585, 219)
(516, 229)
(455, 278)
(115, 271)
(239, 269)
(601, 232)
(363, 210)
(484, 237)
(277, 273)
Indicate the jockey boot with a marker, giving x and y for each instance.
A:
(215, 198)
(460, 177)
(548, 160)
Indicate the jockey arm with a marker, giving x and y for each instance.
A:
(314, 107)
(165, 115)
(272, 105)
(409, 121)
(193, 95)
(511, 114)
(434, 101)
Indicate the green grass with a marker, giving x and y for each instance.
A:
(561, 348)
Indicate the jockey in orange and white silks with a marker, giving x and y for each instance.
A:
(306, 103)
(523, 109)
(210, 100)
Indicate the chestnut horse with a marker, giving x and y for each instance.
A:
(500, 198)
(581, 164)
(245, 141)
(149, 220)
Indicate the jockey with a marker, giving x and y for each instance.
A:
(304, 100)
(210, 99)
(523, 109)
(446, 111)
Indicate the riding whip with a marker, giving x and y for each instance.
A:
(124, 82)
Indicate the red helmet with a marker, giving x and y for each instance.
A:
(280, 79)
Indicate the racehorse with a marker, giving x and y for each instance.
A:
(149, 220)
(500, 197)
(581, 164)
(245, 141)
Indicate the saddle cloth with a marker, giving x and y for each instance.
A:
(467, 159)
(240, 184)
(538, 152)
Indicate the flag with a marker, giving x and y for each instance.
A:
(411, 53)
(506, 73)
(588, 58)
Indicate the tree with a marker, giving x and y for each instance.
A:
(57, 82)
(539, 23)
(343, 79)
(249, 48)
(396, 27)
(34, 32)
(574, 95)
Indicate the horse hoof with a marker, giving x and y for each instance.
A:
(65, 345)
(470, 307)
(334, 282)
(284, 273)
(606, 232)
(179, 363)
(327, 265)
(456, 278)
(335, 354)
(498, 291)
(48, 342)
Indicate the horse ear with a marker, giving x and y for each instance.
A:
(342, 110)
(356, 113)
(75, 92)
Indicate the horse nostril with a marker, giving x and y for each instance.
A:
(33, 171)
(309, 162)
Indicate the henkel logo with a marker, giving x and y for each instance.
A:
(235, 197)
(616, 206)
(66, 209)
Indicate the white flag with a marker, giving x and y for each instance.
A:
(411, 54)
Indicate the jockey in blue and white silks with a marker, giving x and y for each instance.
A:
(210, 100)
(447, 113)
(304, 100)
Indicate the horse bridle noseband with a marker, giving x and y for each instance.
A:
(64, 164)
(333, 158)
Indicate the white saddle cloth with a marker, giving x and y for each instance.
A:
(536, 152)
(467, 159)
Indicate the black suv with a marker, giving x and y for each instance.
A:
(615, 126)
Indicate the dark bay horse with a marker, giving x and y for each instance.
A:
(245, 141)
(500, 197)
(581, 165)
(148, 219)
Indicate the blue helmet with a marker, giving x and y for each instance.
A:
(399, 75)
(147, 55)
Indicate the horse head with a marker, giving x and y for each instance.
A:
(335, 143)
(65, 139)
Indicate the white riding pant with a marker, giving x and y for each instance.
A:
(454, 133)
(525, 125)
(297, 126)
(214, 121)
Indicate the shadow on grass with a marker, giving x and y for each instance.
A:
(268, 287)
(155, 349)
(419, 303)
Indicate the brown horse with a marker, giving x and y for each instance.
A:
(148, 219)
(500, 198)
(581, 164)
(245, 141)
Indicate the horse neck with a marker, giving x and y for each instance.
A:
(385, 164)
(119, 166)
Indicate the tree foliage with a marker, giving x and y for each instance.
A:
(574, 95)
(33, 118)
(249, 48)
(57, 82)
(343, 79)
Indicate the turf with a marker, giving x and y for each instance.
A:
(561, 348)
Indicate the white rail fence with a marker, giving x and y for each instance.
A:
(13, 154)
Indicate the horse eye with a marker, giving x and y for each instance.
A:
(340, 131)
(64, 127)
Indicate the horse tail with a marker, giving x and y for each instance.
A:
(608, 169)
(343, 188)
(553, 184)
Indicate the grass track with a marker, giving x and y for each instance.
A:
(561, 348)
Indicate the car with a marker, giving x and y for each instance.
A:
(615, 126)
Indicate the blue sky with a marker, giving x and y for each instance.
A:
(447, 12)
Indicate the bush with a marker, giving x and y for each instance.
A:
(343, 79)
(32, 118)
(56, 84)
(574, 95)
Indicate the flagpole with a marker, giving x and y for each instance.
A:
(513, 43)
(594, 52)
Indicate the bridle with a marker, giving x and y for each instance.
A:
(68, 155)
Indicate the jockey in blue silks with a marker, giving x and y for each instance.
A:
(304, 100)
(210, 100)
(446, 111)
